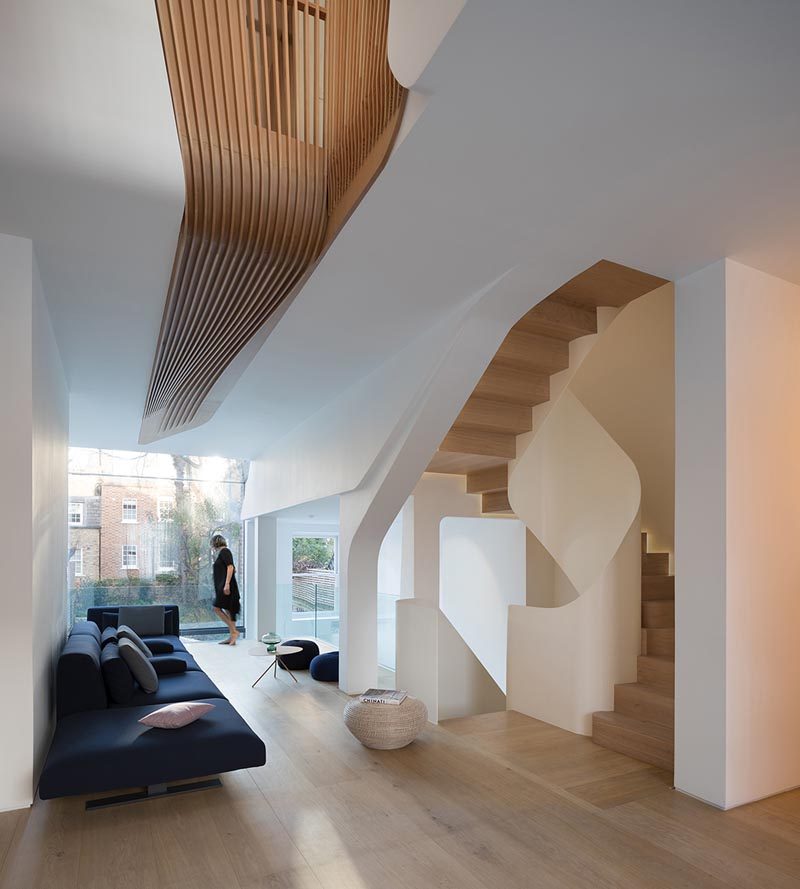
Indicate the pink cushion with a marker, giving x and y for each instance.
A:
(176, 715)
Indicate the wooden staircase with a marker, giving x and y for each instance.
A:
(641, 724)
(483, 438)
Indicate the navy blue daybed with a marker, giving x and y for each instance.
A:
(100, 745)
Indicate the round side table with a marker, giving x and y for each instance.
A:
(281, 650)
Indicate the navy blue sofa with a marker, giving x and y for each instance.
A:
(100, 746)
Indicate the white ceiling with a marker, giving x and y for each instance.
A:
(660, 135)
(315, 512)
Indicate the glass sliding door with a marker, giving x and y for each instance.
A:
(140, 526)
(315, 587)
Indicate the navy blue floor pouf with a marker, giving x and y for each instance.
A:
(325, 667)
(301, 660)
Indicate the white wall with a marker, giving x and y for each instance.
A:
(465, 687)
(563, 662)
(16, 522)
(700, 536)
(416, 28)
(33, 464)
(627, 382)
(763, 530)
(482, 573)
(261, 601)
(332, 451)
(434, 663)
(737, 523)
(50, 540)
(395, 569)
(579, 494)
(576, 490)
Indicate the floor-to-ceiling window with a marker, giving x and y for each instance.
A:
(140, 527)
(315, 585)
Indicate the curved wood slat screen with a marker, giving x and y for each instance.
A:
(286, 111)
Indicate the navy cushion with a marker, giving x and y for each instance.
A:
(79, 681)
(85, 628)
(302, 659)
(117, 675)
(109, 635)
(168, 664)
(325, 667)
(158, 644)
(109, 749)
(191, 663)
(146, 620)
(108, 616)
(193, 685)
(174, 641)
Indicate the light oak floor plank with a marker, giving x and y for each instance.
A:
(497, 799)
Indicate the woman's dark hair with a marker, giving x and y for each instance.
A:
(218, 541)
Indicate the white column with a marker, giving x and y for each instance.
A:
(16, 469)
(358, 597)
(737, 671)
(33, 479)
(700, 541)
(261, 600)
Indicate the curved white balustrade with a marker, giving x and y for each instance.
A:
(581, 495)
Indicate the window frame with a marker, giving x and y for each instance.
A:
(135, 548)
(126, 503)
(74, 561)
(163, 569)
(170, 508)
(75, 508)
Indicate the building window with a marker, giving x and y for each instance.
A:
(75, 513)
(76, 560)
(166, 556)
(166, 509)
(129, 511)
(130, 557)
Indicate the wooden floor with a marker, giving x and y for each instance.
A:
(496, 800)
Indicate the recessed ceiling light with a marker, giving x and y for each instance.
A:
(311, 515)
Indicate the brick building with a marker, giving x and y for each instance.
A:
(123, 532)
(84, 539)
(136, 522)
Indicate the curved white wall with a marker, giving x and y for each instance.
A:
(576, 490)
(482, 572)
(601, 451)
(563, 662)
(416, 28)
(579, 494)
(627, 382)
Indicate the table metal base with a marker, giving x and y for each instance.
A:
(274, 667)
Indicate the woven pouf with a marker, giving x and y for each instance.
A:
(386, 726)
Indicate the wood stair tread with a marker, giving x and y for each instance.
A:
(558, 319)
(496, 502)
(635, 726)
(646, 741)
(649, 689)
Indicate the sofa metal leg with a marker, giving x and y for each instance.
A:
(152, 791)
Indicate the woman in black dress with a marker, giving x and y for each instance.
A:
(226, 599)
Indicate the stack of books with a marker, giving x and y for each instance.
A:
(383, 696)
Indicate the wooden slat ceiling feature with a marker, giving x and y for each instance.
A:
(286, 111)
